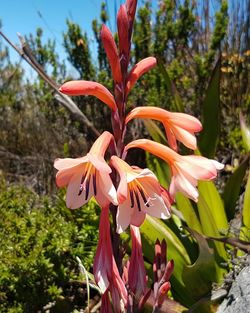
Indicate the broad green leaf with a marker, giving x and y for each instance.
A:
(245, 131)
(185, 206)
(178, 105)
(202, 271)
(246, 205)
(209, 193)
(232, 188)
(212, 225)
(210, 115)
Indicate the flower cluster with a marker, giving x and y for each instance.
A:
(131, 192)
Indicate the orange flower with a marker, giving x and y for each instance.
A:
(139, 193)
(178, 126)
(87, 176)
(186, 170)
(138, 70)
(84, 87)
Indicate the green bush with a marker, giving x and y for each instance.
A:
(40, 239)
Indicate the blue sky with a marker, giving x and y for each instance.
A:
(24, 16)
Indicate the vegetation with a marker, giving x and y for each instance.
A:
(203, 68)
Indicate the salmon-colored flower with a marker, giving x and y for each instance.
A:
(178, 126)
(84, 87)
(186, 170)
(138, 70)
(137, 279)
(87, 176)
(138, 193)
(105, 269)
(112, 53)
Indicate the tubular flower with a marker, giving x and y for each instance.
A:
(84, 87)
(137, 279)
(178, 126)
(87, 176)
(138, 70)
(139, 193)
(186, 170)
(105, 270)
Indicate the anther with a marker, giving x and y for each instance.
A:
(132, 199)
(138, 201)
(143, 196)
(87, 188)
(94, 183)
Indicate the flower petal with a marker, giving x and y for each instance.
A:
(84, 87)
(64, 176)
(123, 216)
(73, 200)
(106, 191)
(138, 70)
(62, 164)
(112, 53)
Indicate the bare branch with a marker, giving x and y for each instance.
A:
(67, 102)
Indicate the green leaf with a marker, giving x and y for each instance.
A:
(209, 195)
(212, 216)
(245, 131)
(154, 131)
(185, 206)
(210, 115)
(202, 271)
(232, 188)
(246, 205)
(178, 105)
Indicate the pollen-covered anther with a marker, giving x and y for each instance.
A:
(137, 192)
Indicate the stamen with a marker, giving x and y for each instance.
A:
(132, 199)
(138, 200)
(81, 185)
(94, 183)
(80, 190)
(87, 188)
(143, 196)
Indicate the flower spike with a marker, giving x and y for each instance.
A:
(178, 126)
(138, 70)
(139, 193)
(87, 176)
(84, 87)
(112, 53)
(186, 170)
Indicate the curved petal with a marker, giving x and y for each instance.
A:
(185, 121)
(84, 87)
(64, 176)
(138, 218)
(112, 53)
(157, 206)
(171, 137)
(99, 163)
(73, 200)
(62, 164)
(123, 217)
(106, 191)
(181, 183)
(198, 167)
(101, 144)
(184, 136)
(138, 70)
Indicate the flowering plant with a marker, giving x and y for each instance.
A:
(129, 192)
